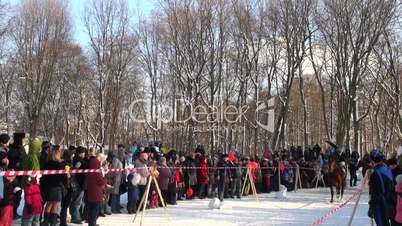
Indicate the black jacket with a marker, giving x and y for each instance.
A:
(50, 181)
(15, 156)
(80, 163)
(223, 171)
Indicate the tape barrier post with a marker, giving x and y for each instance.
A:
(245, 182)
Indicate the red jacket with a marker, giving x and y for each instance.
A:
(96, 182)
(177, 175)
(32, 198)
(202, 172)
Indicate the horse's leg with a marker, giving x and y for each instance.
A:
(338, 191)
(332, 193)
(343, 188)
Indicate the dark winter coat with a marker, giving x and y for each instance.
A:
(51, 181)
(223, 170)
(165, 174)
(15, 156)
(235, 170)
(354, 161)
(96, 182)
(78, 180)
(3, 156)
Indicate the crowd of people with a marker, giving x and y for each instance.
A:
(180, 176)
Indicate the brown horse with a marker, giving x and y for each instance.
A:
(336, 178)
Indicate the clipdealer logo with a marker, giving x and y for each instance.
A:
(162, 113)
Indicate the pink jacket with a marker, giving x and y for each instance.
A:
(398, 216)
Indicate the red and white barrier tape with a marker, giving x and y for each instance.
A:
(339, 207)
(79, 171)
(336, 209)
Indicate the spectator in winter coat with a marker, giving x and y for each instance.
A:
(133, 179)
(142, 168)
(33, 203)
(398, 189)
(393, 166)
(68, 156)
(190, 174)
(96, 185)
(235, 178)
(223, 173)
(117, 181)
(15, 156)
(7, 203)
(77, 183)
(4, 144)
(165, 175)
(287, 176)
(202, 177)
(381, 189)
(353, 164)
(17, 151)
(53, 186)
(44, 153)
(365, 163)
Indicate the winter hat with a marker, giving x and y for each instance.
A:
(376, 156)
(80, 150)
(161, 160)
(398, 179)
(18, 137)
(182, 159)
(4, 138)
(35, 146)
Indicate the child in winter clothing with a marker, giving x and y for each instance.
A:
(398, 190)
(7, 203)
(33, 204)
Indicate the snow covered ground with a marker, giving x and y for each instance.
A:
(302, 207)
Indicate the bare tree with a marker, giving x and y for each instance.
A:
(40, 31)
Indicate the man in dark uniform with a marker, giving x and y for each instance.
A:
(382, 192)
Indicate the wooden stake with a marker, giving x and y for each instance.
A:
(357, 201)
(245, 182)
(253, 186)
(145, 200)
(161, 198)
(249, 178)
(142, 200)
